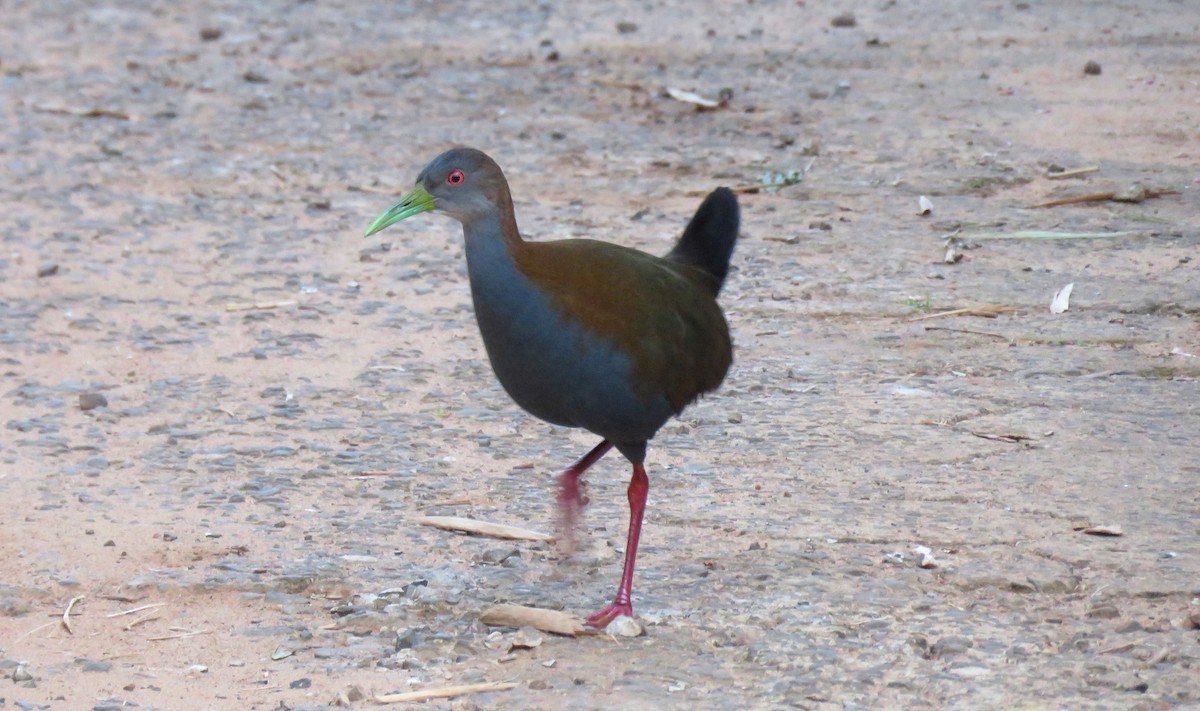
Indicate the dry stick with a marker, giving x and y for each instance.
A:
(66, 618)
(1122, 647)
(554, 621)
(447, 692)
(258, 305)
(92, 112)
(984, 311)
(483, 528)
(1072, 173)
(182, 635)
(964, 330)
(119, 598)
(135, 609)
(450, 502)
(1102, 197)
(154, 615)
(1010, 438)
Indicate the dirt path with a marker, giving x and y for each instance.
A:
(256, 474)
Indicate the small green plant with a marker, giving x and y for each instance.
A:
(920, 304)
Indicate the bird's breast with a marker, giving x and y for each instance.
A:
(551, 365)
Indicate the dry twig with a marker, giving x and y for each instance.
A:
(35, 629)
(1010, 438)
(1123, 196)
(88, 112)
(965, 330)
(986, 311)
(258, 305)
(554, 621)
(446, 692)
(135, 609)
(483, 528)
(1072, 173)
(181, 635)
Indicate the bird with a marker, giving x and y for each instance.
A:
(586, 333)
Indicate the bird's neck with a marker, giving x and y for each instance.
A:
(492, 241)
(493, 235)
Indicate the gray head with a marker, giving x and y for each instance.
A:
(463, 183)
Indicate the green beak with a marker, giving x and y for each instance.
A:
(417, 201)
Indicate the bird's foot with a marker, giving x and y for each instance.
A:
(601, 619)
(571, 501)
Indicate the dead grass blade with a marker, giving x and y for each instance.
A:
(1047, 234)
(483, 528)
(82, 112)
(1134, 194)
(35, 629)
(985, 310)
(1073, 173)
(968, 331)
(446, 692)
(1010, 438)
(135, 609)
(553, 621)
(152, 615)
(181, 635)
(259, 305)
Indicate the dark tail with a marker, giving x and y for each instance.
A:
(707, 241)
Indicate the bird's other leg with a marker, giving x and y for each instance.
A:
(622, 604)
(571, 498)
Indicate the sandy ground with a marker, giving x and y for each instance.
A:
(256, 475)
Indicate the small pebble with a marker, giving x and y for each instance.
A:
(90, 401)
(627, 28)
(1103, 612)
(93, 665)
(496, 556)
(211, 34)
(47, 270)
(1092, 68)
(408, 639)
(625, 626)
(949, 646)
(846, 19)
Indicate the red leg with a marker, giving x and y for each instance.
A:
(639, 486)
(571, 499)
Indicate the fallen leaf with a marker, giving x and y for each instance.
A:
(689, 97)
(1062, 298)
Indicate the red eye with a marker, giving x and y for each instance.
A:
(456, 177)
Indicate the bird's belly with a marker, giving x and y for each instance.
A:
(562, 374)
